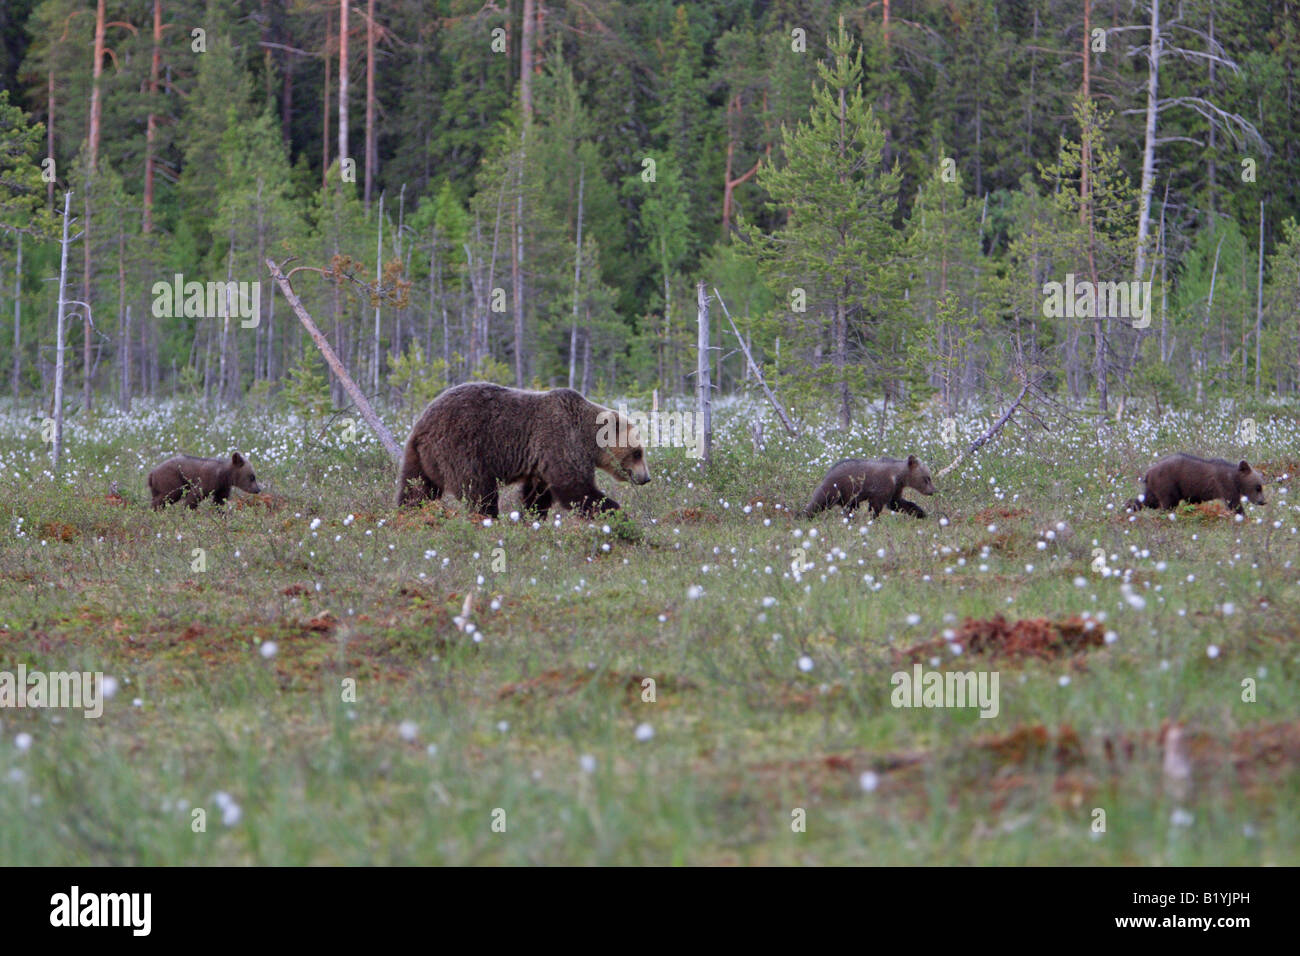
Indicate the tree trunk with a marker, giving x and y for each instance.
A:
(1259, 296)
(372, 156)
(728, 184)
(379, 277)
(96, 113)
(1149, 142)
(517, 270)
(343, 80)
(151, 124)
(841, 362)
(18, 320)
(49, 138)
(85, 299)
(96, 101)
(517, 257)
(225, 327)
(124, 314)
(526, 63)
(704, 396)
(577, 278)
(58, 336)
(325, 135)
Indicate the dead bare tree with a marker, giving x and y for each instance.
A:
(703, 388)
(992, 432)
(758, 374)
(59, 333)
(1160, 44)
(350, 386)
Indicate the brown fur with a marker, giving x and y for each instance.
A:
(197, 478)
(475, 436)
(879, 482)
(1179, 478)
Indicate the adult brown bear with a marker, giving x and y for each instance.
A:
(1185, 477)
(475, 436)
(196, 478)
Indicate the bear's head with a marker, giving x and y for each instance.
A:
(618, 448)
(918, 476)
(241, 475)
(1250, 483)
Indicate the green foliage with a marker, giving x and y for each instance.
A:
(708, 90)
(417, 379)
(494, 371)
(22, 193)
(836, 255)
(307, 391)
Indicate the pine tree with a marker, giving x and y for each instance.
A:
(835, 257)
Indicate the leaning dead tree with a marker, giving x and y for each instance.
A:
(331, 359)
(988, 436)
(753, 367)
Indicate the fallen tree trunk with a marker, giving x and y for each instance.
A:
(349, 386)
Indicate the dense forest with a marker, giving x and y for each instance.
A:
(883, 196)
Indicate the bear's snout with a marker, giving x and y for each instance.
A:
(641, 476)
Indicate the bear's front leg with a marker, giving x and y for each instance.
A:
(537, 497)
(587, 500)
(488, 504)
(907, 507)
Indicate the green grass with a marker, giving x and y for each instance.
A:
(540, 717)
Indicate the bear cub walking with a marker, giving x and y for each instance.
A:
(879, 482)
(196, 478)
(1184, 477)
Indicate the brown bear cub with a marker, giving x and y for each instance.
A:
(1188, 478)
(475, 436)
(196, 478)
(879, 482)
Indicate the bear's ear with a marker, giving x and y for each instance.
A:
(1244, 467)
(237, 460)
(911, 461)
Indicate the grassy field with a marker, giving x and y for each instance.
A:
(323, 692)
